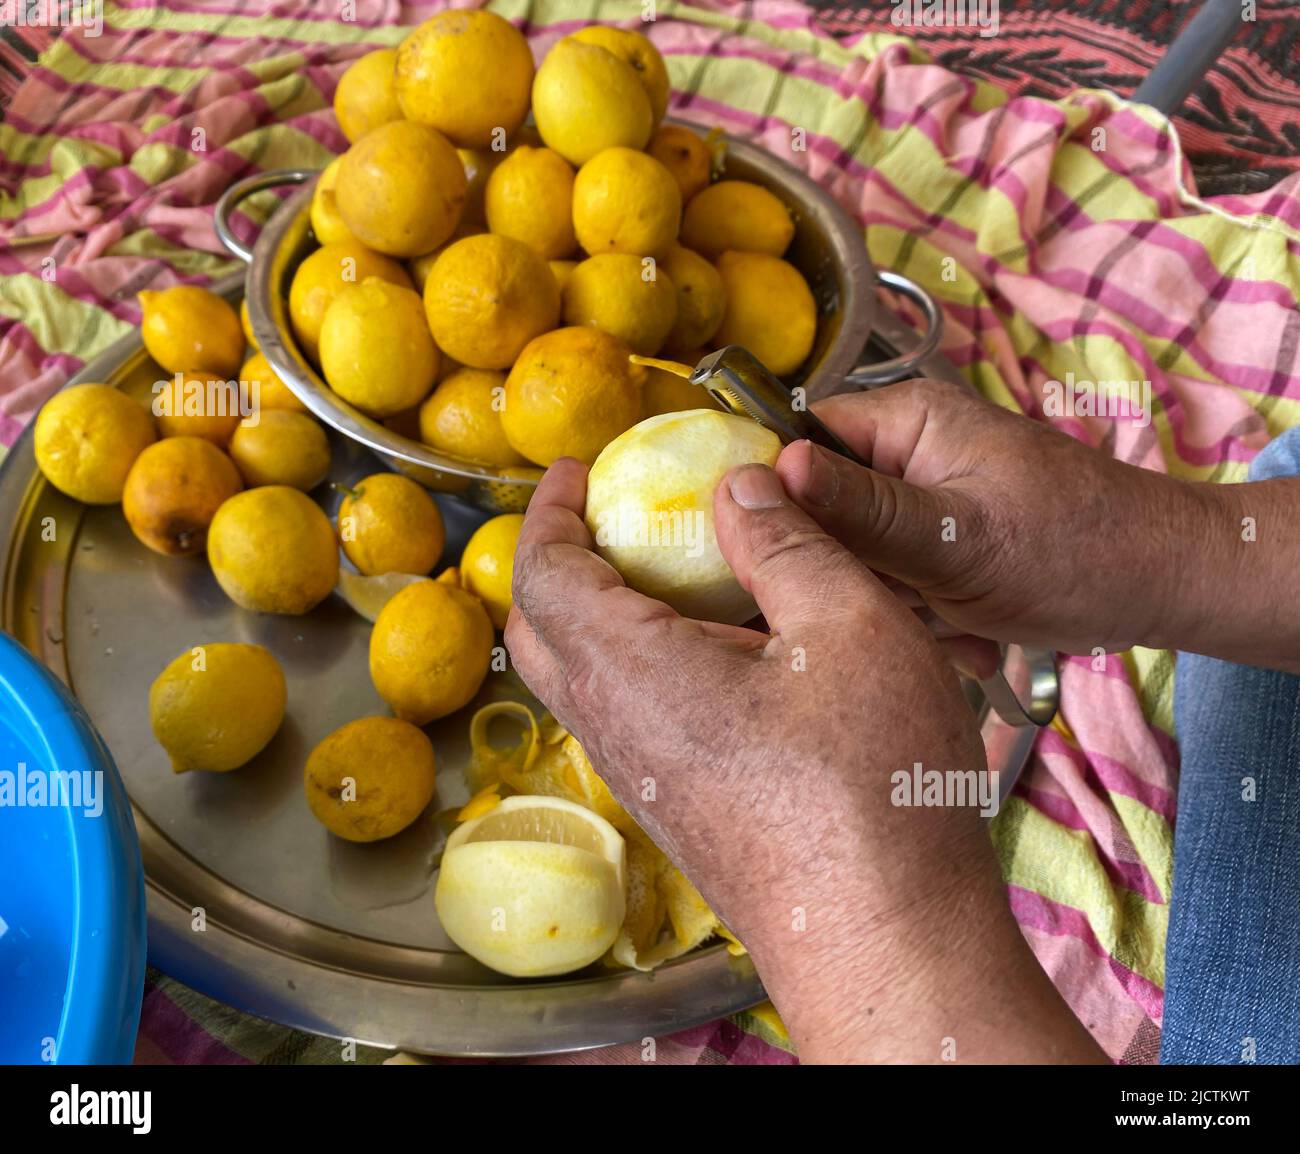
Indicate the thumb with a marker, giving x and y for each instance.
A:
(893, 527)
(799, 575)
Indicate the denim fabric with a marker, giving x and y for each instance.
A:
(1232, 962)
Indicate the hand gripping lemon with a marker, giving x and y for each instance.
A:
(650, 508)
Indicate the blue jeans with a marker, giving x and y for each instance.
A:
(1232, 962)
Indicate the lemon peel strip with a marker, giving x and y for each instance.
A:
(675, 367)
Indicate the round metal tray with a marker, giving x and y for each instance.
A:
(249, 899)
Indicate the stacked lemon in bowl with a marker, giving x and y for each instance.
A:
(483, 277)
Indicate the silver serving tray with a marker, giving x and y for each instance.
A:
(299, 927)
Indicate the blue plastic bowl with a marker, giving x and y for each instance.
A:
(72, 912)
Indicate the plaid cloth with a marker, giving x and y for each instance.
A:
(1051, 255)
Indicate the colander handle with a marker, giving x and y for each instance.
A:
(905, 364)
(244, 188)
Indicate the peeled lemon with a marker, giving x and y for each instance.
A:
(486, 297)
(365, 97)
(400, 188)
(650, 508)
(389, 524)
(371, 778)
(586, 99)
(430, 650)
(487, 565)
(569, 394)
(216, 706)
(534, 887)
(273, 550)
(626, 201)
(375, 348)
(188, 329)
(88, 437)
(467, 74)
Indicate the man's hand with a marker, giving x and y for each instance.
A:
(1009, 529)
(761, 764)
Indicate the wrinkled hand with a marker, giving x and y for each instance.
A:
(1006, 528)
(761, 763)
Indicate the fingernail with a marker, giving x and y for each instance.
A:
(757, 487)
(823, 483)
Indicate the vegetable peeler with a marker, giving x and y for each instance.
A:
(743, 385)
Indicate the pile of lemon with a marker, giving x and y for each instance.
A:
(481, 281)
(544, 262)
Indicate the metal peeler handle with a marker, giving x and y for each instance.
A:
(745, 386)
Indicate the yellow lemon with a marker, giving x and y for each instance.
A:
(530, 197)
(637, 51)
(263, 389)
(487, 297)
(487, 566)
(627, 296)
(463, 417)
(375, 348)
(625, 201)
(479, 164)
(370, 778)
(325, 274)
(736, 215)
(650, 508)
(173, 491)
(668, 393)
(188, 329)
(533, 887)
(400, 188)
(326, 222)
(562, 269)
(421, 266)
(217, 706)
(366, 95)
(685, 155)
(430, 650)
(389, 524)
(197, 405)
(466, 73)
(246, 324)
(770, 310)
(586, 99)
(273, 551)
(281, 447)
(570, 393)
(87, 438)
(701, 299)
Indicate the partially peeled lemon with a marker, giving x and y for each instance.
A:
(534, 887)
